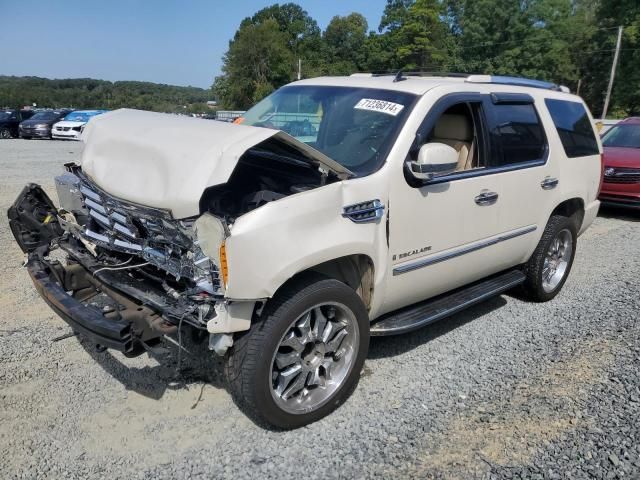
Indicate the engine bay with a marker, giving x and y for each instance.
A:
(266, 173)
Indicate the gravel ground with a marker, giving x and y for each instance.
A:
(508, 389)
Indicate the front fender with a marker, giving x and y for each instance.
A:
(270, 245)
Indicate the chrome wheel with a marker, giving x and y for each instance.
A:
(5, 133)
(314, 357)
(557, 260)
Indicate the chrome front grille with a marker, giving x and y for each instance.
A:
(150, 233)
(621, 175)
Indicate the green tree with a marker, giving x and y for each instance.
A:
(541, 39)
(344, 44)
(257, 62)
(302, 34)
(413, 36)
(625, 98)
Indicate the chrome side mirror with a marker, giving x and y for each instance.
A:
(434, 159)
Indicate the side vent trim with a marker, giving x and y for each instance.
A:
(364, 212)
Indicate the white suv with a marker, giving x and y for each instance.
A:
(335, 209)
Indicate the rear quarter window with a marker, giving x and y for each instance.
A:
(574, 127)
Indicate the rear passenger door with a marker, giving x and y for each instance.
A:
(529, 177)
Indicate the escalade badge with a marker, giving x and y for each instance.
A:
(411, 253)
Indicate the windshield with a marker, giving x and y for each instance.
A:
(354, 126)
(80, 116)
(623, 136)
(48, 115)
(5, 116)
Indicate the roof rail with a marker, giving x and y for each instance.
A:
(517, 81)
(474, 78)
(422, 74)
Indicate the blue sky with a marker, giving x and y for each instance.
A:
(164, 41)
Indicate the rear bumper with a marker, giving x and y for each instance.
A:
(87, 320)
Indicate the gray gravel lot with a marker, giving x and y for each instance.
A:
(508, 389)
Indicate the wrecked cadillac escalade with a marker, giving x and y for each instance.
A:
(335, 209)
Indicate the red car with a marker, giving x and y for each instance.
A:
(621, 185)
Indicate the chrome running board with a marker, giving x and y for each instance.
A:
(420, 314)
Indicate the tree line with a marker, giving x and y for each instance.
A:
(87, 93)
(569, 42)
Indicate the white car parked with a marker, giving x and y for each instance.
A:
(71, 126)
(337, 208)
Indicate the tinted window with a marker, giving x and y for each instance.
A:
(518, 134)
(574, 127)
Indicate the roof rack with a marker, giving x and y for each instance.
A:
(475, 78)
(418, 74)
(516, 81)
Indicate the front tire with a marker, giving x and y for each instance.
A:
(5, 133)
(303, 357)
(549, 266)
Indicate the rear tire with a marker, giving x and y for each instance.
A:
(549, 266)
(5, 133)
(302, 358)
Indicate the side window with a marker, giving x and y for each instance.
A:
(517, 133)
(458, 127)
(574, 127)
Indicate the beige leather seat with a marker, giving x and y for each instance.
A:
(457, 132)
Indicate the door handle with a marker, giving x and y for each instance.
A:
(549, 183)
(486, 198)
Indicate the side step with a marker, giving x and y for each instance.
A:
(420, 314)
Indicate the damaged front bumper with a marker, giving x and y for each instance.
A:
(117, 308)
(84, 319)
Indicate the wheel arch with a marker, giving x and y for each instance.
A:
(572, 207)
(356, 271)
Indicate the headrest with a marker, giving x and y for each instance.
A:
(453, 127)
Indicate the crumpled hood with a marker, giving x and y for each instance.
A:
(167, 161)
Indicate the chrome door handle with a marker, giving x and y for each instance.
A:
(486, 198)
(549, 183)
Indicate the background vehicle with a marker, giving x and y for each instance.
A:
(71, 126)
(39, 126)
(621, 184)
(9, 121)
(410, 199)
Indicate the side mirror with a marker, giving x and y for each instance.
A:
(433, 159)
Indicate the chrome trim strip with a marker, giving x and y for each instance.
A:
(96, 236)
(90, 193)
(101, 218)
(95, 206)
(437, 258)
(377, 209)
(118, 217)
(125, 230)
(129, 245)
